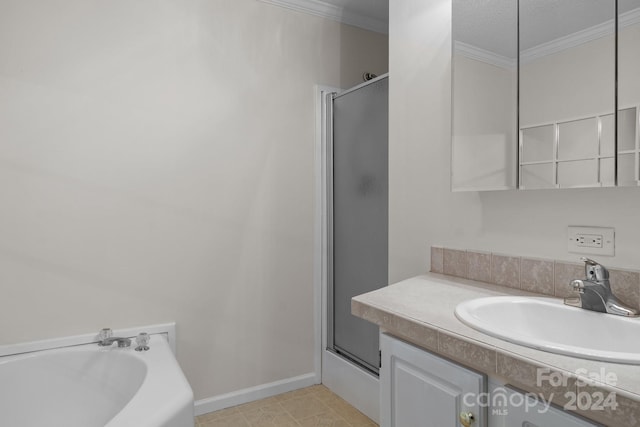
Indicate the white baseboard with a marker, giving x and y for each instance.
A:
(250, 394)
(358, 387)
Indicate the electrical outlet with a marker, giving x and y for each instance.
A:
(591, 240)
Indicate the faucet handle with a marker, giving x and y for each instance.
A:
(577, 285)
(594, 270)
(105, 333)
(142, 340)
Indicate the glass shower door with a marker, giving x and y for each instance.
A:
(359, 208)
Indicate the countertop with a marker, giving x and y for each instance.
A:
(421, 310)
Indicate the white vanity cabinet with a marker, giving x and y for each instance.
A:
(420, 389)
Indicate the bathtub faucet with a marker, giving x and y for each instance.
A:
(105, 339)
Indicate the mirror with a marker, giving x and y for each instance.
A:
(628, 166)
(567, 57)
(534, 94)
(484, 95)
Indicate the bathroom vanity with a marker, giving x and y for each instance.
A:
(436, 369)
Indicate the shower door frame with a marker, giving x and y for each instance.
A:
(356, 385)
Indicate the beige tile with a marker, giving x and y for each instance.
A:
(564, 273)
(470, 354)
(536, 275)
(315, 406)
(505, 270)
(437, 260)
(351, 414)
(328, 398)
(218, 414)
(292, 394)
(625, 284)
(235, 420)
(455, 262)
(325, 419)
(414, 332)
(367, 423)
(319, 390)
(552, 384)
(405, 328)
(256, 404)
(262, 411)
(479, 266)
(268, 416)
(304, 407)
(371, 314)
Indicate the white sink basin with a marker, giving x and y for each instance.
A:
(547, 324)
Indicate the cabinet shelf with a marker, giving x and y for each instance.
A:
(579, 152)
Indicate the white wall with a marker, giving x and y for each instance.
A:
(548, 83)
(423, 212)
(552, 87)
(156, 164)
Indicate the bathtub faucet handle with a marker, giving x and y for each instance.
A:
(105, 334)
(142, 340)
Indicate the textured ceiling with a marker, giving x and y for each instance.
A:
(544, 20)
(484, 23)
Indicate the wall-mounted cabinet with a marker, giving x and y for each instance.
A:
(629, 147)
(580, 152)
(534, 94)
(484, 95)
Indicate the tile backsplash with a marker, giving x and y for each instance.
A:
(542, 276)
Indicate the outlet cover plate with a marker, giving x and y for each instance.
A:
(591, 240)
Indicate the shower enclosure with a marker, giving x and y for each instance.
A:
(357, 205)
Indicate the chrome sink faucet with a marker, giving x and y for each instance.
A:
(595, 292)
(105, 339)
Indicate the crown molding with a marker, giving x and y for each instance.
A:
(333, 12)
(567, 42)
(580, 37)
(554, 46)
(629, 18)
(482, 55)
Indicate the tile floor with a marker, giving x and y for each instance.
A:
(307, 407)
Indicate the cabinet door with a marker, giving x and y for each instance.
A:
(420, 389)
(513, 409)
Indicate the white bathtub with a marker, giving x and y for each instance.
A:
(90, 386)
